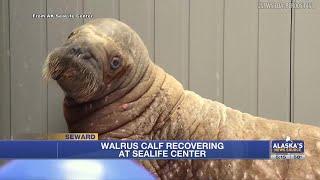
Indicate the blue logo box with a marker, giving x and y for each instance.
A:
(287, 146)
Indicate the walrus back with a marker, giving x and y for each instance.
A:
(197, 118)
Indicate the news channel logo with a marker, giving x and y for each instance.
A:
(287, 149)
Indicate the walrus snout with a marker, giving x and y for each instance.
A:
(77, 71)
(70, 55)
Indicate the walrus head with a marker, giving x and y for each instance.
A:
(97, 58)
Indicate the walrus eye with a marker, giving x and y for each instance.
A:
(115, 62)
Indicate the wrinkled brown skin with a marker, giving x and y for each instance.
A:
(154, 106)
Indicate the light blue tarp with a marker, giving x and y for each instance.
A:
(73, 169)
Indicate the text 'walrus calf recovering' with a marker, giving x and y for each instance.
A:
(113, 88)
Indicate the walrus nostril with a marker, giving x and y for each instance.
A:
(87, 56)
(76, 50)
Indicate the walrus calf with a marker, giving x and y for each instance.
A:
(112, 87)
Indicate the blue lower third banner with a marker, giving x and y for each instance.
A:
(129, 149)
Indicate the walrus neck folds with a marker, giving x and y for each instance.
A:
(133, 114)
